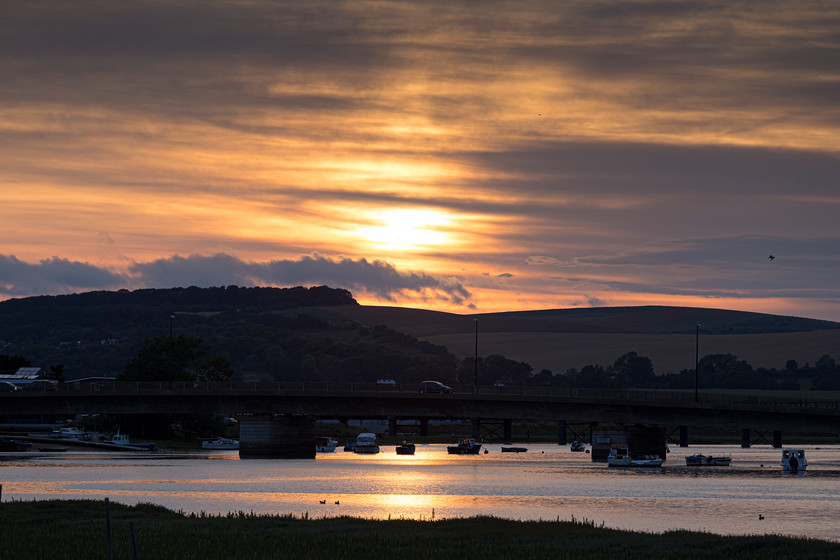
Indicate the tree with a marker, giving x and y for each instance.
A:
(638, 369)
(181, 358)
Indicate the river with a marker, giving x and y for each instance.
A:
(547, 482)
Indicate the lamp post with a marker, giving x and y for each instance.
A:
(697, 364)
(476, 355)
(171, 317)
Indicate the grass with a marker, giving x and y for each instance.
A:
(71, 529)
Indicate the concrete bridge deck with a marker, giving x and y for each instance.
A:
(368, 400)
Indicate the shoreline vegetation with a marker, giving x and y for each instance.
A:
(84, 529)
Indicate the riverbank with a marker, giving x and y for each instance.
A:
(78, 529)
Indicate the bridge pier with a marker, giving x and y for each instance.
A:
(777, 439)
(278, 436)
(476, 428)
(561, 432)
(392, 425)
(745, 437)
(424, 427)
(683, 436)
(507, 430)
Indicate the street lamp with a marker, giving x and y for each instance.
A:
(171, 317)
(476, 355)
(697, 364)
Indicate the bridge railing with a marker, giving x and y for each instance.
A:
(647, 396)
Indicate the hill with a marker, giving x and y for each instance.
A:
(560, 339)
(323, 334)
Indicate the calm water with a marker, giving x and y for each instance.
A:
(547, 482)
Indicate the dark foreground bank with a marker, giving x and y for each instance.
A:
(78, 529)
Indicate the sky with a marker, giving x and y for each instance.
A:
(467, 157)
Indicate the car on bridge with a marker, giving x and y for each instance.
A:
(434, 387)
(6, 387)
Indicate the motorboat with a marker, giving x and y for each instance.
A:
(9, 444)
(700, 460)
(220, 443)
(577, 446)
(70, 433)
(405, 448)
(325, 444)
(124, 440)
(793, 461)
(514, 449)
(620, 457)
(366, 443)
(464, 447)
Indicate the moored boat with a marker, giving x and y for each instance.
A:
(366, 443)
(325, 444)
(464, 447)
(793, 461)
(405, 448)
(514, 449)
(577, 446)
(125, 441)
(620, 457)
(700, 460)
(220, 443)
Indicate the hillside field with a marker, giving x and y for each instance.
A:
(558, 342)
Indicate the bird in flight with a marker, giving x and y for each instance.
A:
(771, 257)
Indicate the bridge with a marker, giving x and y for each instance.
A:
(290, 409)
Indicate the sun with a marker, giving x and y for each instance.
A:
(406, 229)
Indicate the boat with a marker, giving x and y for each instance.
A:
(9, 444)
(69, 433)
(700, 460)
(325, 444)
(620, 457)
(124, 441)
(793, 461)
(366, 443)
(220, 443)
(405, 448)
(464, 447)
(349, 446)
(577, 446)
(514, 449)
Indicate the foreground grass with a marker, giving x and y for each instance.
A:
(68, 529)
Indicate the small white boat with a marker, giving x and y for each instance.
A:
(366, 443)
(793, 461)
(70, 433)
(220, 443)
(325, 444)
(124, 440)
(700, 460)
(620, 457)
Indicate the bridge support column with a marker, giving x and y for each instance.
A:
(561, 432)
(476, 428)
(392, 425)
(507, 430)
(279, 436)
(745, 437)
(683, 436)
(777, 439)
(424, 427)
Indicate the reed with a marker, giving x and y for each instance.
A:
(76, 529)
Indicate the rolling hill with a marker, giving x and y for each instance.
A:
(571, 338)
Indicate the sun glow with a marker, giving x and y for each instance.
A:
(406, 230)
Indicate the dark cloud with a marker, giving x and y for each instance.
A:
(376, 278)
(53, 276)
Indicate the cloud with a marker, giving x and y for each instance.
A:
(53, 276)
(377, 278)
